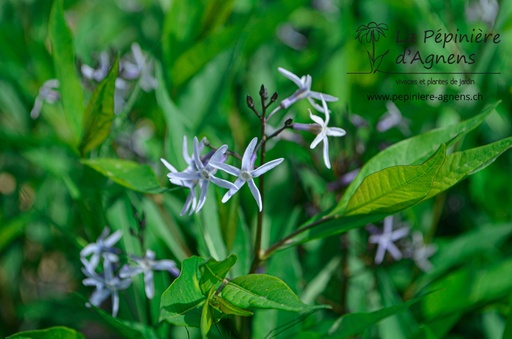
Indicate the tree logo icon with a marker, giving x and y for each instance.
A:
(371, 33)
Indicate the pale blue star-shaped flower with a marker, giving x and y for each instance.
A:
(420, 252)
(246, 173)
(47, 93)
(103, 247)
(202, 174)
(385, 240)
(107, 284)
(140, 68)
(304, 91)
(147, 265)
(324, 132)
(191, 202)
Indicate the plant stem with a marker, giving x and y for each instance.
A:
(290, 236)
(261, 186)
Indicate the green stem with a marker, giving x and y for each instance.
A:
(261, 186)
(276, 246)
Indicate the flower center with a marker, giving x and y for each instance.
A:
(245, 175)
(205, 174)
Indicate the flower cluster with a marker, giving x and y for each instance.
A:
(201, 169)
(108, 279)
(387, 240)
(133, 66)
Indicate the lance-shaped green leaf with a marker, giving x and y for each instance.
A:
(58, 332)
(226, 307)
(129, 174)
(355, 323)
(207, 316)
(395, 187)
(99, 114)
(461, 164)
(263, 291)
(213, 272)
(182, 302)
(64, 61)
(412, 151)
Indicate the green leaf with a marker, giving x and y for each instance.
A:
(395, 188)
(226, 307)
(126, 328)
(461, 164)
(355, 323)
(70, 87)
(190, 62)
(129, 174)
(182, 302)
(263, 291)
(411, 151)
(207, 315)
(99, 114)
(213, 272)
(58, 332)
(468, 288)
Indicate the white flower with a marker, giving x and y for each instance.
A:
(103, 247)
(140, 68)
(393, 118)
(199, 174)
(106, 284)
(191, 202)
(246, 174)
(304, 91)
(385, 240)
(420, 252)
(325, 131)
(49, 93)
(147, 265)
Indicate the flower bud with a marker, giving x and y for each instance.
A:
(250, 101)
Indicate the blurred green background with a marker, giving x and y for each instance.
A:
(208, 55)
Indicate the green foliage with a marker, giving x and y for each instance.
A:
(64, 63)
(99, 114)
(129, 174)
(58, 332)
(305, 267)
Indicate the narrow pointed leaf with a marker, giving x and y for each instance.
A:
(263, 291)
(412, 151)
(129, 174)
(99, 114)
(461, 164)
(355, 323)
(58, 332)
(395, 187)
(64, 60)
(182, 302)
(207, 315)
(227, 308)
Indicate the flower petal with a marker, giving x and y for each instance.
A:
(316, 119)
(238, 183)
(317, 140)
(327, 162)
(149, 286)
(222, 183)
(255, 193)
(335, 132)
(290, 76)
(249, 152)
(226, 168)
(202, 198)
(266, 167)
